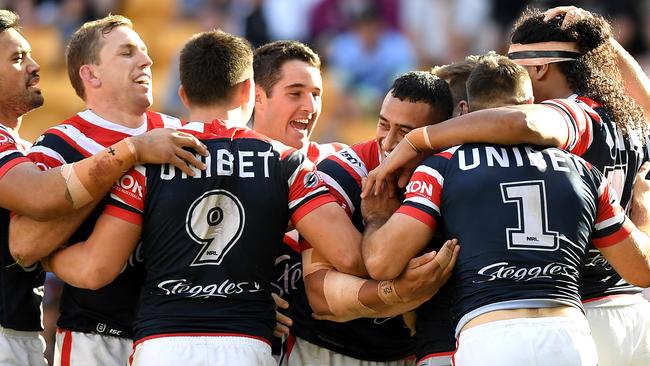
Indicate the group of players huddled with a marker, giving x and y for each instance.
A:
(475, 228)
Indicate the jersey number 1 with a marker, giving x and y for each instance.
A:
(533, 232)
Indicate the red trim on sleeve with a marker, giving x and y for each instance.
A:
(44, 161)
(123, 214)
(616, 237)
(12, 163)
(419, 215)
(288, 241)
(310, 206)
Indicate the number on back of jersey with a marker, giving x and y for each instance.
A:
(215, 221)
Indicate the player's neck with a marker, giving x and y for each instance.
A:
(10, 121)
(207, 114)
(127, 117)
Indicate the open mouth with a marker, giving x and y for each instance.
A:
(299, 124)
(33, 82)
(144, 80)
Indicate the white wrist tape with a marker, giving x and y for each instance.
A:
(78, 193)
(342, 295)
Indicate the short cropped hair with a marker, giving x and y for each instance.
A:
(456, 74)
(211, 64)
(497, 81)
(423, 86)
(8, 20)
(85, 45)
(269, 59)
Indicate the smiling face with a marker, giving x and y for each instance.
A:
(397, 118)
(123, 72)
(291, 111)
(19, 91)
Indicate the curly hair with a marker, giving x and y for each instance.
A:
(594, 74)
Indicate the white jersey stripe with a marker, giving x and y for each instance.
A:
(423, 201)
(79, 138)
(431, 172)
(93, 118)
(4, 154)
(335, 185)
(47, 152)
(294, 203)
(619, 218)
(359, 167)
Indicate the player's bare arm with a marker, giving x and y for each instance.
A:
(341, 297)
(630, 257)
(328, 229)
(96, 262)
(530, 124)
(390, 240)
(30, 239)
(640, 204)
(58, 191)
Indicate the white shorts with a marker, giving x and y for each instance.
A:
(557, 341)
(304, 353)
(201, 350)
(21, 348)
(437, 359)
(80, 349)
(621, 333)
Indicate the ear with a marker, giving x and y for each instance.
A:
(541, 71)
(247, 91)
(183, 96)
(461, 108)
(260, 97)
(87, 75)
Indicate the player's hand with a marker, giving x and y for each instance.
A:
(398, 165)
(282, 322)
(424, 275)
(382, 204)
(572, 15)
(640, 209)
(164, 145)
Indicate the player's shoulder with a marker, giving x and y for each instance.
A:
(364, 156)
(317, 152)
(162, 120)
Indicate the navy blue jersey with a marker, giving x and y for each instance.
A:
(384, 339)
(597, 139)
(210, 241)
(434, 335)
(111, 309)
(21, 289)
(538, 210)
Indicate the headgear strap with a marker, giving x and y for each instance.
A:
(542, 53)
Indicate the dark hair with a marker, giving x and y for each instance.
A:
(269, 58)
(85, 44)
(211, 63)
(8, 19)
(497, 81)
(423, 86)
(594, 74)
(456, 74)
